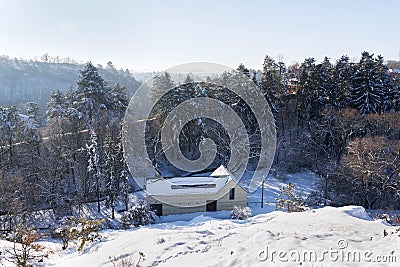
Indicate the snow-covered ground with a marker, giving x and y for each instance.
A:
(327, 236)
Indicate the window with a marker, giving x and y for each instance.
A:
(157, 208)
(232, 194)
(183, 186)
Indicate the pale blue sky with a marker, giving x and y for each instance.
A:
(160, 34)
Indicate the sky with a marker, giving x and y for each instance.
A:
(156, 35)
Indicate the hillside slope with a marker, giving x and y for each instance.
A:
(24, 81)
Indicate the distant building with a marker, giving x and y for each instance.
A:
(195, 194)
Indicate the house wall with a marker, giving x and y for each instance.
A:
(188, 203)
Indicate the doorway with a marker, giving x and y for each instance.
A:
(211, 205)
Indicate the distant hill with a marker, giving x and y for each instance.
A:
(24, 81)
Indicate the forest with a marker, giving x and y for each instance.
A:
(339, 119)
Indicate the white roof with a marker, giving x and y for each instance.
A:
(189, 185)
(220, 171)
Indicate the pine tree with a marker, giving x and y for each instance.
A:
(342, 79)
(161, 84)
(56, 106)
(324, 94)
(188, 79)
(242, 69)
(271, 82)
(118, 100)
(368, 90)
(305, 95)
(91, 98)
(388, 91)
(288, 200)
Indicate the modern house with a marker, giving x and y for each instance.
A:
(195, 194)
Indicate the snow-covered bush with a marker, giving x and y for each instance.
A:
(139, 214)
(289, 200)
(61, 230)
(80, 231)
(240, 213)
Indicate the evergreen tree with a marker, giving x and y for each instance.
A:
(91, 98)
(305, 95)
(242, 69)
(271, 82)
(10, 126)
(288, 200)
(118, 100)
(56, 106)
(161, 84)
(188, 79)
(368, 90)
(389, 93)
(342, 77)
(324, 95)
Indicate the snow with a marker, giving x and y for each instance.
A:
(185, 185)
(213, 239)
(220, 171)
(304, 185)
(206, 241)
(189, 185)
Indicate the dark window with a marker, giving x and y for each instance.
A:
(157, 208)
(182, 186)
(211, 205)
(232, 193)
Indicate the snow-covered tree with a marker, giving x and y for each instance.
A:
(305, 95)
(10, 126)
(91, 99)
(368, 89)
(93, 167)
(271, 82)
(324, 93)
(342, 77)
(161, 84)
(242, 69)
(56, 108)
(240, 213)
(111, 172)
(138, 214)
(288, 200)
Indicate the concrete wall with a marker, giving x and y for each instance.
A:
(188, 203)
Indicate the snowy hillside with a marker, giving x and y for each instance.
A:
(24, 81)
(327, 236)
(330, 233)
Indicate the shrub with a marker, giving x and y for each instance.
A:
(139, 214)
(81, 231)
(240, 213)
(24, 244)
(289, 200)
